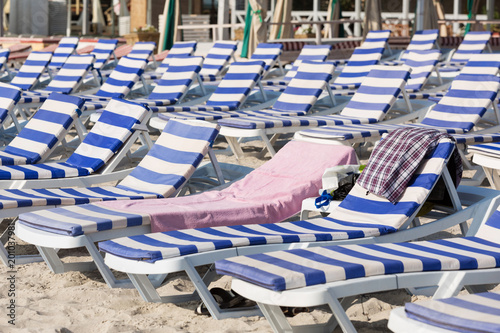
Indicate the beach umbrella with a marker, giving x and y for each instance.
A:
(335, 13)
(97, 16)
(282, 14)
(373, 16)
(472, 6)
(255, 28)
(171, 19)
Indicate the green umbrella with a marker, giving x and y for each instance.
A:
(255, 29)
(472, 9)
(168, 31)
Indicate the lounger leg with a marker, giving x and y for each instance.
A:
(106, 273)
(235, 146)
(276, 318)
(493, 177)
(340, 314)
(55, 264)
(449, 285)
(269, 144)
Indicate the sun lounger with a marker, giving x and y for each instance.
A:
(359, 218)
(103, 50)
(487, 155)
(326, 275)
(298, 98)
(474, 42)
(269, 53)
(375, 39)
(372, 101)
(44, 131)
(65, 48)
(272, 192)
(4, 69)
(421, 40)
(178, 50)
(94, 159)
(162, 173)
(308, 52)
(468, 99)
(230, 95)
(28, 76)
(464, 313)
(217, 60)
(118, 85)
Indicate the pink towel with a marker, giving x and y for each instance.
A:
(269, 194)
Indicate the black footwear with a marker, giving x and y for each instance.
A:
(226, 300)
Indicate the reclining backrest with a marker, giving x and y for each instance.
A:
(9, 96)
(474, 42)
(421, 40)
(71, 74)
(269, 53)
(238, 82)
(422, 64)
(46, 128)
(178, 50)
(107, 136)
(31, 70)
(362, 209)
(311, 53)
(102, 51)
(175, 82)
(305, 87)
(465, 102)
(218, 57)
(360, 63)
(378, 92)
(66, 47)
(174, 157)
(123, 77)
(142, 50)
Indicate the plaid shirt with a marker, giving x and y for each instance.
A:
(397, 157)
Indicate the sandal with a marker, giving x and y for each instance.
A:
(290, 311)
(225, 299)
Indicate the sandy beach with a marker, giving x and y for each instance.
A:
(81, 302)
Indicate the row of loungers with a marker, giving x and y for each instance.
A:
(183, 244)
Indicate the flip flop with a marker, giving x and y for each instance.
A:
(225, 299)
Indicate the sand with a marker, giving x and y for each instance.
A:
(81, 302)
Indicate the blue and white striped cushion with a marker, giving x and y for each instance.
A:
(465, 313)
(172, 160)
(269, 53)
(175, 82)
(217, 59)
(360, 63)
(370, 103)
(422, 64)
(175, 156)
(44, 131)
(376, 38)
(178, 50)
(484, 63)
(283, 270)
(31, 70)
(102, 51)
(489, 149)
(231, 92)
(66, 81)
(297, 99)
(121, 80)
(100, 144)
(360, 216)
(422, 40)
(474, 42)
(9, 97)
(4, 57)
(66, 47)
(142, 50)
(457, 112)
(310, 53)
(472, 138)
